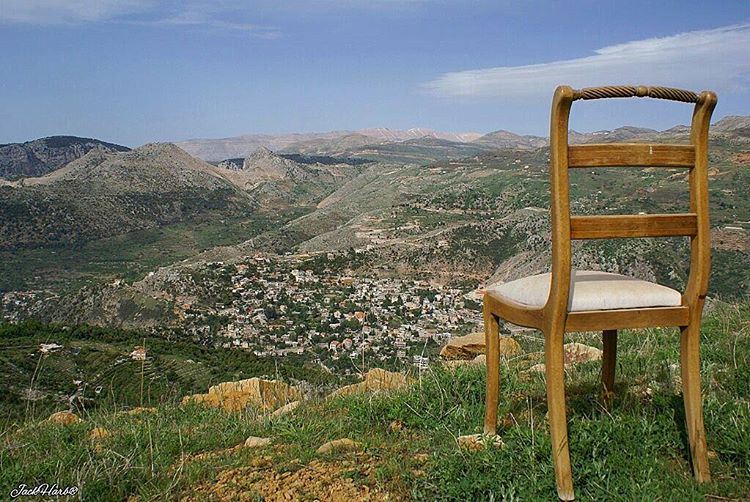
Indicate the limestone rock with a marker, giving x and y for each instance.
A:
(138, 410)
(479, 441)
(344, 444)
(580, 353)
(480, 360)
(287, 408)
(236, 396)
(376, 380)
(470, 346)
(64, 418)
(574, 353)
(99, 433)
(257, 442)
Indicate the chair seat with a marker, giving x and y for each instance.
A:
(590, 290)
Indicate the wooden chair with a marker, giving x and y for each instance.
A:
(563, 302)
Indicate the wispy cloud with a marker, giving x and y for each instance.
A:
(67, 11)
(716, 58)
(224, 15)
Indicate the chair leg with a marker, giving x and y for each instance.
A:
(492, 351)
(609, 361)
(691, 393)
(554, 361)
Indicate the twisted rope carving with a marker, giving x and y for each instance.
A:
(632, 91)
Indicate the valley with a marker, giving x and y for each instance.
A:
(335, 259)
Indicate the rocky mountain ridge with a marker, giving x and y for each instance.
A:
(41, 156)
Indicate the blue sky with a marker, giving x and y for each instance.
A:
(134, 71)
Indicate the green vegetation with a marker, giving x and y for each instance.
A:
(128, 256)
(636, 451)
(35, 384)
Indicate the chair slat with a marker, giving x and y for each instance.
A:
(636, 225)
(598, 320)
(631, 155)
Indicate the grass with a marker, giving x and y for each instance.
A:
(635, 451)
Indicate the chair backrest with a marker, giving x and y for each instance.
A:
(693, 156)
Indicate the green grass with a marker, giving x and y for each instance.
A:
(636, 451)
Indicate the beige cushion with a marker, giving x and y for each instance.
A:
(590, 290)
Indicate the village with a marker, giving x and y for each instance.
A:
(298, 306)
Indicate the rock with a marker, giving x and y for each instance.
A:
(376, 380)
(470, 346)
(580, 353)
(480, 360)
(396, 426)
(98, 433)
(479, 441)
(64, 418)
(236, 396)
(574, 353)
(138, 411)
(287, 408)
(344, 444)
(256, 442)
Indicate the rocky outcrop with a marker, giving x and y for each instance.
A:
(573, 353)
(236, 396)
(42, 156)
(64, 418)
(376, 380)
(288, 408)
(470, 346)
(479, 441)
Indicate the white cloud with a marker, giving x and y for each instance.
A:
(222, 15)
(717, 58)
(67, 11)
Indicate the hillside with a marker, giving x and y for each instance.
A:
(104, 194)
(44, 155)
(405, 440)
(464, 223)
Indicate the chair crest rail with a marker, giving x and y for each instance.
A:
(636, 91)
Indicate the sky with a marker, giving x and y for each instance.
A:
(138, 71)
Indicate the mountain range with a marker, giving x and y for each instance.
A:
(408, 145)
(464, 211)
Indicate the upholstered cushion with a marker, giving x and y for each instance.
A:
(590, 290)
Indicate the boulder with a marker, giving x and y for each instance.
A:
(344, 444)
(480, 360)
(573, 353)
(479, 441)
(470, 346)
(98, 433)
(256, 442)
(236, 396)
(138, 410)
(376, 380)
(64, 418)
(579, 353)
(287, 408)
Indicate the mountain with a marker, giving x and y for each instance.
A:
(733, 125)
(275, 179)
(44, 155)
(506, 139)
(420, 150)
(240, 146)
(107, 193)
(386, 134)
